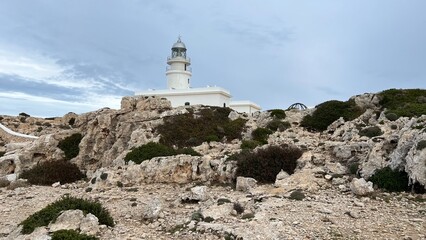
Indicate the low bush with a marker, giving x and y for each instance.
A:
(53, 210)
(238, 208)
(71, 121)
(70, 145)
(249, 144)
(279, 125)
(391, 116)
(152, 149)
(277, 113)
(297, 195)
(261, 135)
(370, 132)
(194, 128)
(328, 112)
(71, 235)
(264, 164)
(404, 102)
(2, 154)
(353, 168)
(4, 183)
(390, 180)
(24, 114)
(47, 173)
(421, 145)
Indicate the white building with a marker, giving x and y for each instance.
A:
(180, 93)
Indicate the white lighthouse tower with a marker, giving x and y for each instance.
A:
(178, 72)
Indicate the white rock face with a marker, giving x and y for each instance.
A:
(89, 224)
(245, 184)
(152, 209)
(360, 187)
(198, 193)
(69, 219)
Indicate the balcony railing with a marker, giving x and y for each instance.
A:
(187, 58)
(189, 69)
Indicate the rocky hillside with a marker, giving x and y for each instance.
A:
(206, 173)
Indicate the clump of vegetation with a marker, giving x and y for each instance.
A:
(103, 176)
(264, 164)
(24, 114)
(421, 145)
(277, 113)
(192, 129)
(70, 145)
(197, 216)
(53, 210)
(47, 173)
(221, 201)
(4, 183)
(328, 112)
(2, 154)
(247, 216)
(261, 135)
(391, 180)
(353, 168)
(391, 116)
(152, 149)
(370, 132)
(238, 208)
(279, 125)
(404, 102)
(249, 144)
(297, 195)
(71, 235)
(71, 121)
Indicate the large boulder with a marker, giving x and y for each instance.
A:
(361, 187)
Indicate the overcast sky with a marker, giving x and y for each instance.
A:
(60, 56)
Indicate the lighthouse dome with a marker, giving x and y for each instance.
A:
(179, 44)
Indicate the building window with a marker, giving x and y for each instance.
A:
(187, 103)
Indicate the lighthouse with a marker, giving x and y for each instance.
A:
(180, 93)
(178, 72)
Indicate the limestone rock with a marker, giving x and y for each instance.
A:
(89, 224)
(152, 209)
(245, 184)
(198, 193)
(69, 219)
(360, 187)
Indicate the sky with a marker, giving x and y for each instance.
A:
(60, 56)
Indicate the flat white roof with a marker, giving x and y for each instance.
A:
(244, 103)
(189, 91)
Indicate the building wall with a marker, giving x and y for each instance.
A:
(210, 99)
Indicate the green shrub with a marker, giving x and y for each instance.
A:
(277, 124)
(421, 145)
(353, 168)
(192, 129)
(24, 114)
(221, 201)
(370, 132)
(71, 235)
(264, 164)
(152, 149)
(277, 113)
(391, 116)
(71, 121)
(391, 180)
(187, 151)
(4, 183)
(70, 145)
(47, 173)
(328, 112)
(261, 135)
(238, 208)
(404, 102)
(394, 127)
(212, 138)
(2, 154)
(297, 195)
(53, 210)
(249, 144)
(103, 176)
(247, 216)
(197, 216)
